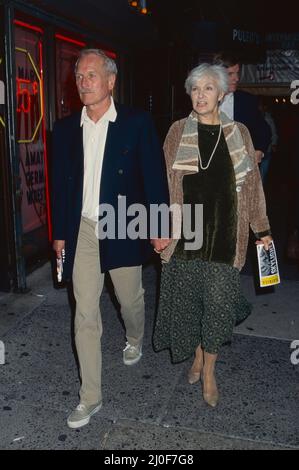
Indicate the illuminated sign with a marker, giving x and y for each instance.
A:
(25, 89)
(70, 40)
(29, 98)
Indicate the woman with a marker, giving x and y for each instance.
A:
(210, 161)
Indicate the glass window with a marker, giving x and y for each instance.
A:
(67, 98)
(31, 136)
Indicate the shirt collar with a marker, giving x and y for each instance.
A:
(110, 114)
(228, 96)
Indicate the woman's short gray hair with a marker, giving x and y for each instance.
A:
(109, 64)
(216, 71)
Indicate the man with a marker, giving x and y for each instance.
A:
(243, 107)
(106, 154)
(265, 163)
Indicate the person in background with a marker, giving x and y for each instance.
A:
(265, 163)
(210, 161)
(102, 155)
(243, 107)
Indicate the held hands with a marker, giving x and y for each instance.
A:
(265, 241)
(58, 246)
(160, 244)
(259, 156)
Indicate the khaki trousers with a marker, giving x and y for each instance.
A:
(88, 284)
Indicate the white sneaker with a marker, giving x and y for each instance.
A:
(81, 415)
(132, 354)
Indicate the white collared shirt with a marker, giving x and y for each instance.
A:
(227, 105)
(94, 140)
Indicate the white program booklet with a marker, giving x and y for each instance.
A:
(268, 266)
(59, 266)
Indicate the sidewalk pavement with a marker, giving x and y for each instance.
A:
(149, 405)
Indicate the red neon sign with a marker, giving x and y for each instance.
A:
(72, 41)
(111, 54)
(81, 44)
(25, 88)
(28, 26)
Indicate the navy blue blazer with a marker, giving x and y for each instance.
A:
(133, 166)
(246, 111)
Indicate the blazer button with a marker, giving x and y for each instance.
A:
(120, 171)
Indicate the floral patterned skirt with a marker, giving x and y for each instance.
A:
(200, 303)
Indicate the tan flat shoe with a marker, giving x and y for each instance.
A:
(193, 377)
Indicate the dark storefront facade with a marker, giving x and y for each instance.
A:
(37, 87)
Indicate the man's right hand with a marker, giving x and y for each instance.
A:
(58, 246)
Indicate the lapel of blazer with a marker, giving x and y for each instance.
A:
(112, 139)
(78, 151)
(112, 150)
(239, 106)
(114, 132)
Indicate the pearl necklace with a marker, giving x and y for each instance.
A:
(212, 154)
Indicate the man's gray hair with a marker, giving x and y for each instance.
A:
(203, 70)
(109, 64)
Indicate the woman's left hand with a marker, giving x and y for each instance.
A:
(265, 241)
